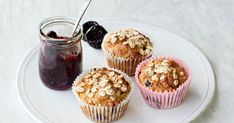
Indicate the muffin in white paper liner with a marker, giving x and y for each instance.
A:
(103, 114)
(164, 100)
(127, 65)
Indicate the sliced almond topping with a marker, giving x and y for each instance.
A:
(124, 88)
(90, 95)
(121, 35)
(165, 64)
(163, 77)
(113, 78)
(176, 82)
(175, 76)
(102, 93)
(80, 89)
(142, 42)
(151, 73)
(110, 91)
(88, 91)
(131, 43)
(87, 76)
(117, 85)
(151, 64)
(92, 81)
(120, 77)
(125, 43)
(82, 84)
(155, 77)
(96, 85)
(128, 35)
(113, 38)
(103, 83)
(112, 98)
(184, 77)
(119, 82)
(181, 73)
(174, 70)
(111, 74)
(94, 89)
(108, 87)
(104, 77)
(149, 47)
(96, 75)
(147, 51)
(165, 60)
(135, 33)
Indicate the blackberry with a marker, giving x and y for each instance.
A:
(52, 34)
(148, 83)
(95, 36)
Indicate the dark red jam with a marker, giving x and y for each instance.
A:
(58, 67)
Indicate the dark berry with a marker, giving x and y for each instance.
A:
(95, 36)
(52, 34)
(148, 83)
(95, 33)
(87, 25)
(61, 37)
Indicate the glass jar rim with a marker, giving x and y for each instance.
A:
(62, 41)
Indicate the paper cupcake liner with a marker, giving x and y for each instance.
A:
(127, 65)
(164, 100)
(103, 114)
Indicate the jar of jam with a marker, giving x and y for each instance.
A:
(60, 59)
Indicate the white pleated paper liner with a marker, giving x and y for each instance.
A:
(103, 114)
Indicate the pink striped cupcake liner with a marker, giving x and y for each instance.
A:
(164, 100)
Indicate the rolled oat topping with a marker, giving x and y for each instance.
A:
(163, 74)
(133, 39)
(102, 86)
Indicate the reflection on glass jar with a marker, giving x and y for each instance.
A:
(60, 60)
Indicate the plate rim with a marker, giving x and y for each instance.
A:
(211, 76)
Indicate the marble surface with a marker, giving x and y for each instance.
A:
(208, 24)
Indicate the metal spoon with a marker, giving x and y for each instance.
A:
(83, 9)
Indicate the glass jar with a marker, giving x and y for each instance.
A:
(60, 59)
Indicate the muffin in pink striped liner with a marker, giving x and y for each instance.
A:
(163, 81)
(125, 49)
(103, 94)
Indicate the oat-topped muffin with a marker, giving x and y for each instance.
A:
(128, 43)
(163, 74)
(103, 90)
(126, 48)
(103, 87)
(163, 81)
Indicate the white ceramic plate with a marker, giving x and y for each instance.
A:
(46, 105)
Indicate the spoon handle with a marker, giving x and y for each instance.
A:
(83, 9)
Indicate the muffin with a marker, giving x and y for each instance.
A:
(103, 93)
(163, 81)
(125, 49)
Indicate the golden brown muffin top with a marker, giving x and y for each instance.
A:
(128, 43)
(102, 87)
(162, 75)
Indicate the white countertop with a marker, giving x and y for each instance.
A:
(208, 24)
